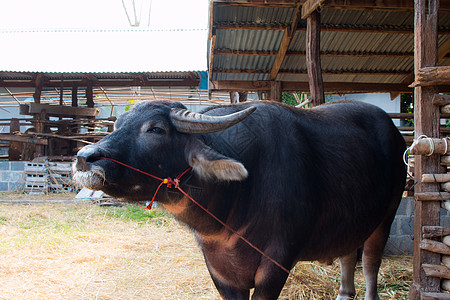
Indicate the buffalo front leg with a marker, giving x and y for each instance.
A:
(348, 264)
(228, 292)
(269, 281)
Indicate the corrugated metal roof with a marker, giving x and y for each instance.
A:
(103, 50)
(249, 39)
(99, 75)
(359, 41)
(253, 15)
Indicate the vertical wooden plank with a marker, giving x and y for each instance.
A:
(38, 125)
(61, 90)
(280, 55)
(313, 58)
(38, 88)
(89, 96)
(243, 96)
(15, 148)
(75, 95)
(426, 118)
(275, 91)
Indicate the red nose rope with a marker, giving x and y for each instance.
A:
(176, 184)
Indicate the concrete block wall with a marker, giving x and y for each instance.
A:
(402, 231)
(12, 175)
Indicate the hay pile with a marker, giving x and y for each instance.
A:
(322, 281)
(63, 251)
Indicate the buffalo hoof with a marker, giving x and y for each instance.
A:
(342, 297)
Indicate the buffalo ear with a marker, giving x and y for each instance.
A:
(209, 164)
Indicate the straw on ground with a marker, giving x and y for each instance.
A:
(80, 251)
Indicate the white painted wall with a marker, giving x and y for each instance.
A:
(382, 100)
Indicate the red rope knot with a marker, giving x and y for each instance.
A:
(171, 183)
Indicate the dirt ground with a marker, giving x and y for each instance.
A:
(83, 251)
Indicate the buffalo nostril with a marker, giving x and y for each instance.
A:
(82, 164)
(85, 155)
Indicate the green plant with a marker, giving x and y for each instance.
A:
(137, 214)
(130, 104)
(407, 106)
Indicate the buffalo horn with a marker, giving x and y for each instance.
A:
(187, 121)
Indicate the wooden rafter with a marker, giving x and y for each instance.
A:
(309, 6)
(288, 33)
(280, 55)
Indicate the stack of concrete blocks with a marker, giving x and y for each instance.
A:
(36, 178)
(12, 175)
(59, 177)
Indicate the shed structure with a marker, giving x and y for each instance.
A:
(353, 46)
(315, 46)
(61, 93)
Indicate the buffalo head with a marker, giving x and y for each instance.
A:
(161, 138)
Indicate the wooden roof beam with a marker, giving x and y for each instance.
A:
(287, 37)
(383, 5)
(338, 72)
(299, 86)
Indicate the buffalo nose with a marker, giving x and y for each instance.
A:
(85, 155)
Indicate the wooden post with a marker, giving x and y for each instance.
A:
(38, 88)
(39, 126)
(242, 96)
(313, 58)
(15, 148)
(426, 122)
(275, 91)
(61, 91)
(89, 96)
(75, 95)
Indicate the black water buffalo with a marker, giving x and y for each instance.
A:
(299, 184)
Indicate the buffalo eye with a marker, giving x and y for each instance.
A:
(156, 130)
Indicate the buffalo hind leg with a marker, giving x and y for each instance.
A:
(372, 255)
(348, 264)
